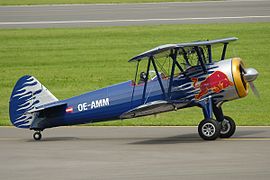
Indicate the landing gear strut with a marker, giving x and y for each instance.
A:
(37, 135)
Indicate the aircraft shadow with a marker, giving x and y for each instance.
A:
(183, 138)
(192, 138)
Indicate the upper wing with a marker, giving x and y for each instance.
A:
(165, 50)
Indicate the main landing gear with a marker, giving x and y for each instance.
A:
(210, 129)
(37, 135)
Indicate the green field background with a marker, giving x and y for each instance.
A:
(73, 61)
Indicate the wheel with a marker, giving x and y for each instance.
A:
(227, 127)
(209, 129)
(37, 136)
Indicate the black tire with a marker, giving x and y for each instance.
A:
(227, 127)
(37, 136)
(209, 129)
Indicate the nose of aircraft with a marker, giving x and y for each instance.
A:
(250, 74)
(243, 78)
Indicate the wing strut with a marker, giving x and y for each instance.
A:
(209, 53)
(224, 51)
(200, 58)
(133, 90)
(174, 57)
(151, 60)
(158, 76)
(185, 56)
(146, 80)
(179, 66)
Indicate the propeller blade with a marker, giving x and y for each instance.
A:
(242, 69)
(254, 89)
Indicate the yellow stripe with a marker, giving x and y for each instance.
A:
(241, 90)
(248, 139)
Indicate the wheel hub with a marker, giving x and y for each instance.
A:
(208, 129)
(225, 126)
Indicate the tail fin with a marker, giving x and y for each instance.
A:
(27, 94)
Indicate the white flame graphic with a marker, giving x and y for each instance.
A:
(37, 95)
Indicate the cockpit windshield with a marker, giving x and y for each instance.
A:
(163, 67)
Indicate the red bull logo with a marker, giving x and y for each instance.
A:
(216, 82)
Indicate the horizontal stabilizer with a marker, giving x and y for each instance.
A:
(48, 106)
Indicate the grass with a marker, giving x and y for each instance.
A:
(43, 2)
(73, 61)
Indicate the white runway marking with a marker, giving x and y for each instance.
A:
(129, 20)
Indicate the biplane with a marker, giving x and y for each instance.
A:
(167, 78)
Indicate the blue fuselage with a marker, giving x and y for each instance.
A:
(112, 102)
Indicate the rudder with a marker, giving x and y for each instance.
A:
(27, 94)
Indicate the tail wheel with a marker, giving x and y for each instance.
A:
(209, 129)
(37, 136)
(227, 127)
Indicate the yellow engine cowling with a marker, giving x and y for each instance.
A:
(241, 85)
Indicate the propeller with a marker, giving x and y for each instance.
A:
(249, 75)
(254, 89)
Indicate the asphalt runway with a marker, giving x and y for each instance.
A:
(123, 153)
(134, 14)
